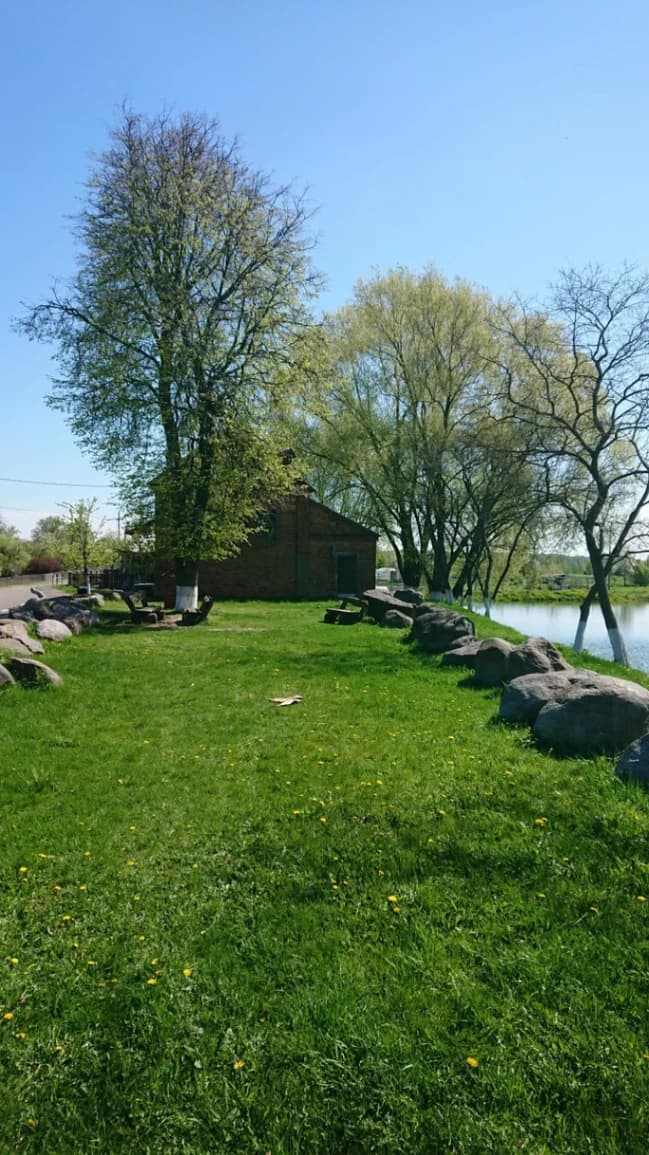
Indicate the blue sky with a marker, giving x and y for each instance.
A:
(497, 140)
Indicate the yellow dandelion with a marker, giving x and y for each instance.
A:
(540, 821)
(472, 1062)
(396, 909)
(540, 894)
(238, 1064)
(8, 1015)
(151, 982)
(392, 898)
(14, 962)
(131, 862)
(323, 819)
(640, 898)
(87, 854)
(187, 972)
(24, 869)
(91, 962)
(31, 1122)
(66, 917)
(20, 1034)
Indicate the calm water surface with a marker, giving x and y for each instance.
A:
(559, 624)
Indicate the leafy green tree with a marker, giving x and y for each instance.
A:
(407, 422)
(13, 551)
(182, 330)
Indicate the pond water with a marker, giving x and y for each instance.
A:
(559, 624)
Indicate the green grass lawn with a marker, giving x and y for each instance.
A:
(377, 921)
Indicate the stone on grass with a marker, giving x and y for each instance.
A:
(32, 673)
(395, 620)
(533, 657)
(6, 679)
(16, 646)
(463, 654)
(13, 629)
(525, 697)
(53, 631)
(633, 765)
(490, 664)
(436, 631)
(592, 719)
(407, 594)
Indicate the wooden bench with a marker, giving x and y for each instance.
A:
(142, 615)
(193, 617)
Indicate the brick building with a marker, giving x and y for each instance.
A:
(305, 551)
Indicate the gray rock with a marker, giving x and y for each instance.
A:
(436, 631)
(13, 629)
(534, 656)
(33, 673)
(526, 696)
(6, 679)
(407, 594)
(602, 718)
(465, 640)
(395, 620)
(490, 664)
(379, 602)
(462, 655)
(34, 609)
(17, 646)
(633, 765)
(53, 631)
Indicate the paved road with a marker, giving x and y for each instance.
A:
(16, 595)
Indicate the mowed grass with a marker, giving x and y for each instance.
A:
(377, 921)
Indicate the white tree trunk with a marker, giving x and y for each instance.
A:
(618, 646)
(487, 607)
(579, 636)
(187, 597)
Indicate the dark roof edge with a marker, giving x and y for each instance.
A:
(349, 520)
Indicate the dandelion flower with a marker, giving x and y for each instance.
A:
(24, 869)
(8, 1015)
(151, 982)
(14, 962)
(392, 898)
(187, 972)
(540, 821)
(640, 898)
(473, 1063)
(238, 1065)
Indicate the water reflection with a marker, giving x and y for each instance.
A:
(559, 624)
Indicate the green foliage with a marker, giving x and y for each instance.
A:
(200, 951)
(13, 551)
(183, 327)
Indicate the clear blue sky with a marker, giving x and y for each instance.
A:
(497, 139)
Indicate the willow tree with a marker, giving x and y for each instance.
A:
(181, 330)
(406, 421)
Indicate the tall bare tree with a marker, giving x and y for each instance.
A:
(578, 378)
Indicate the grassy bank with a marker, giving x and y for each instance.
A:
(621, 595)
(377, 921)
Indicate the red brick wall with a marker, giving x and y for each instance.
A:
(299, 561)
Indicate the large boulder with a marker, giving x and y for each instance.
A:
(525, 697)
(395, 620)
(436, 631)
(591, 719)
(379, 602)
(33, 610)
(53, 631)
(6, 679)
(533, 657)
(13, 629)
(16, 646)
(407, 594)
(33, 673)
(462, 654)
(490, 663)
(633, 765)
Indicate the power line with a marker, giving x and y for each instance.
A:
(65, 484)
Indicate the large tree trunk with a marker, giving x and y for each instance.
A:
(608, 613)
(186, 584)
(584, 611)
